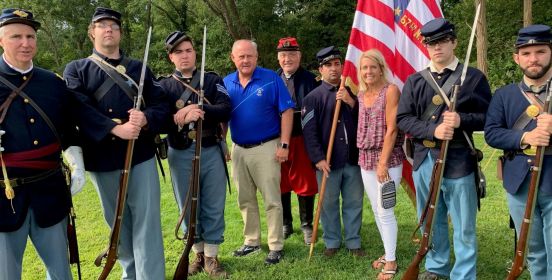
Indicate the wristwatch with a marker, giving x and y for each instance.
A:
(284, 145)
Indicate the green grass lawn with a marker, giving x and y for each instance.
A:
(494, 237)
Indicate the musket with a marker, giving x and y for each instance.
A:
(437, 173)
(324, 179)
(521, 248)
(110, 255)
(73, 244)
(181, 271)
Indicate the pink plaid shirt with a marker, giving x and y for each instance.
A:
(371, 131)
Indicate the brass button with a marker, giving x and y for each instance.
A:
(432, 117)
(110, 110)
(439, 77)
(24, 78)
(113, 138)
(26, 100)
(31, 120)
(189, 101)
(529, 161)
(35, 142)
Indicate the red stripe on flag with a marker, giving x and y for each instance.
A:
(350, 69)
(411, 27)
(404, 68)
(434, 8)
(377, 10)
(364, 42)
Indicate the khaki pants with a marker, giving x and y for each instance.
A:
(257, 169)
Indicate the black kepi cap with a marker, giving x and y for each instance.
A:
(537, 34)
(436, 29)
(326, 54)
(12, 15)
(106, 13)
(174, 39)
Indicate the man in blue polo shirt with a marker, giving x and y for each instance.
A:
(261, 123)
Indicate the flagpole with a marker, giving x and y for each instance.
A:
(324, 178)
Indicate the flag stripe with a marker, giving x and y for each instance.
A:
(392, 27)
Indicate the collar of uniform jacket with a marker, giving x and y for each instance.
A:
(8, 69)
(452, 66)
(536, 89)
(110, 60)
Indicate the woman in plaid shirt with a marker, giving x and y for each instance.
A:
(380, 149)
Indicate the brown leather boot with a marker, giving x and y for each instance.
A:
(214, 269)
(198, 264)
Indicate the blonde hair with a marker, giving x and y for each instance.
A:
(377, 57)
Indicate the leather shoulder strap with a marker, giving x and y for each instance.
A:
(447, 87)
(124, 84)
(33, 104)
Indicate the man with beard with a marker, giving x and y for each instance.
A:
(343, 172)
(512, 127)
(424, 115)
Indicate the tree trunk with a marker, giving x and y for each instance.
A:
(227, 10)
(482, 63)
(527, 12)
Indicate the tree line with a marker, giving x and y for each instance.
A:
(316, 24)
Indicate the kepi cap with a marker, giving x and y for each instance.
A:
(174, 39)
(326, 54)
(287, 44)
(537, 34)
(436, 29)
(12, 15)
(106, 13)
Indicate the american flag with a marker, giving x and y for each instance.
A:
(392, 27)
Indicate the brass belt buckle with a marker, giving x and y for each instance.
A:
(531, 151)
(429, 143)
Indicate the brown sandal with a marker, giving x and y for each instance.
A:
(379, 263)
(384, 274)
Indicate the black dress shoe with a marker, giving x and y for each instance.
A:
(274, 257)
(246, 250)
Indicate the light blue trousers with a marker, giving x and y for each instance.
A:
(539, 256)
(458, 199)
(344, 183)
(50, 244)
(141, 243)
(212, 191)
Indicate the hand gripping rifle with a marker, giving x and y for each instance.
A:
(110, 255)
(521, 247)
(181, 271)
(437, 176)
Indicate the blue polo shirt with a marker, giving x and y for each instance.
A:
(256, 108)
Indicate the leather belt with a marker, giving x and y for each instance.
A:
(453, 144)
(31, 179)
(249, 146)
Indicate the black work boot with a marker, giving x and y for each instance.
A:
(286, 210)
(306, 207)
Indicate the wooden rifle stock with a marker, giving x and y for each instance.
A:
(72, 241)
(181, 271)
(521, 247)
(413, 269)
(110, 254)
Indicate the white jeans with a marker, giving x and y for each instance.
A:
(385, 218)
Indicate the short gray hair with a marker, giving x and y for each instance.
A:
(234, 46)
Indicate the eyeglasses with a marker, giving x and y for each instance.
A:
(113, 26)
(439, 42)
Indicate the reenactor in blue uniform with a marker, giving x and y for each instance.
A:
(107, 80)
(36, 122)
(343, 172)
(297, 172)
(183, 87)
(514, 126)
(422, 114)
